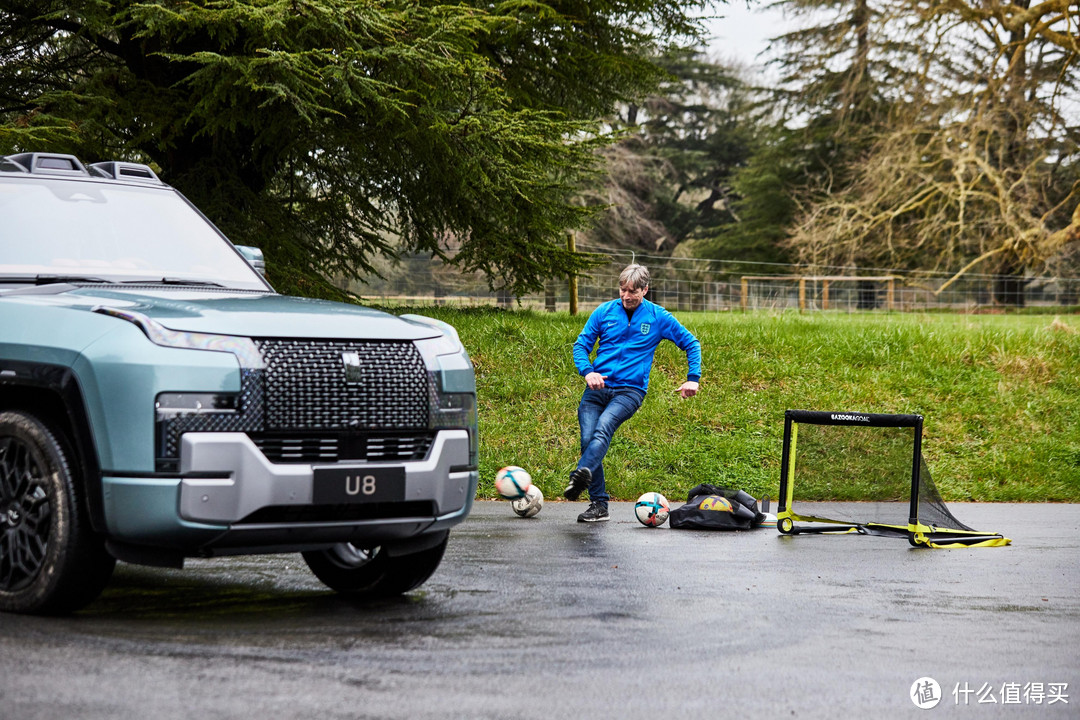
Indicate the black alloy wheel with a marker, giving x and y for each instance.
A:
(377, 572)
(51, 560)
(25, 516)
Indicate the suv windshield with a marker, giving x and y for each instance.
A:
(112, 232)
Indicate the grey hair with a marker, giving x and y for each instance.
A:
(636, 276)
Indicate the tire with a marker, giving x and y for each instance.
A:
(51, 561)
(373, 573)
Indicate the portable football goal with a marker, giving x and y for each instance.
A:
(871, 468)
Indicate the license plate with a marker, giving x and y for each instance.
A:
(336, 485)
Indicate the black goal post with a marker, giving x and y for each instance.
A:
(855, 472)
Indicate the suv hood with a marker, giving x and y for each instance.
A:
(246, 314)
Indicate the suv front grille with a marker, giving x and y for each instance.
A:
(321, 400)
(335, 385)
(334, 447)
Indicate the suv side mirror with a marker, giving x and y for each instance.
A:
(254, 256)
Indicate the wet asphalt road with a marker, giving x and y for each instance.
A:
(549, 618)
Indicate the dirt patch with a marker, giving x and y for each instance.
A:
(1032, 369)
(1059, 326)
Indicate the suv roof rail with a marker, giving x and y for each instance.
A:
(47, 163)
(117, 170)
(7, 165)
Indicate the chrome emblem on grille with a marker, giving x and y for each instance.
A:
(353, 373)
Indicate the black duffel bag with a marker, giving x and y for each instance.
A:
(712, 507)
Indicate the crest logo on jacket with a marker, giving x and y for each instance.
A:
(645, 328)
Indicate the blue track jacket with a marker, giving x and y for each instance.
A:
(625, 353)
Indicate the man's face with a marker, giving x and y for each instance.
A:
(631, 297)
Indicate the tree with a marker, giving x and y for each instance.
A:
(667, 181)
(977, 164)
(1031, 50)
(325, 130)
(838, 76)
(763, 191)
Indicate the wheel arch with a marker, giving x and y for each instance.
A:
(52, 393)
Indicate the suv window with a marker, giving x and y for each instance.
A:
(121, 233)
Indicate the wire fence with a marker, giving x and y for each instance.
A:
(694, 284)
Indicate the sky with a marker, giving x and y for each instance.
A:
(743, 33)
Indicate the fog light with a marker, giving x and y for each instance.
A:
(170, 404)
(458, 410)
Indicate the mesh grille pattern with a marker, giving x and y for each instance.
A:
(377, 410)
(328, 385)
(247, 419)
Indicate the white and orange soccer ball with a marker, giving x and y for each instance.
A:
(512, 482)
(652, 509)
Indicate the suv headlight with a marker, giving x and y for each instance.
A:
(178, 412)
(458, 410)
(450, 409)
(242, 347)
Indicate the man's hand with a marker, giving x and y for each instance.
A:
(595, 380)
(688, 389)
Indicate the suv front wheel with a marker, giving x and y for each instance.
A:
(365, 573)
(51, 561)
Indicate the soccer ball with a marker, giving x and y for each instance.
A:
(651, 509)
(530, 504)
(512, 482)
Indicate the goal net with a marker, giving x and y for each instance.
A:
(852, 472)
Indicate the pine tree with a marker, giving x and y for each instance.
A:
(330, 131)
(839, 75)
(667, 182)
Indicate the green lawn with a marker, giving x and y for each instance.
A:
(1000, 395)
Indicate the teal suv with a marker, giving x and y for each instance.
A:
(159, 401)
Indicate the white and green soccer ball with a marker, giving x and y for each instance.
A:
(652, 509)
(512, 482)
(530, 504)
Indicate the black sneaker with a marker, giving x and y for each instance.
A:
(595, 513)
(579, 480)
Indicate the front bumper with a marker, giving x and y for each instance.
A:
(229, 498)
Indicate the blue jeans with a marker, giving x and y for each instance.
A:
(600, 414)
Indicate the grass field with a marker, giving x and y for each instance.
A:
(1000, 395)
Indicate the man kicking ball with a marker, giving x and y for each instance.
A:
(629, 329)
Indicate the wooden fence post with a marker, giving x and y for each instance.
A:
(571, 245)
